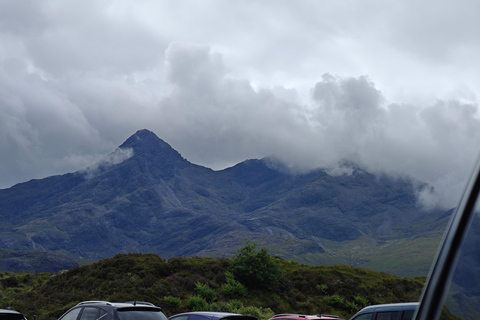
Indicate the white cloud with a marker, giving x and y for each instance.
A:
(116, 157)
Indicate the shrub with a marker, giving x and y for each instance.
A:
(259, 313)
(333, 300)
(236, 304)
(231, 306)
(197, 303)
(9, 282)
(352, 306)
(205, 292)
(174, 302)
(361, 301)
(233, 287)
(221, 306)
(255, 269)
(322, 288)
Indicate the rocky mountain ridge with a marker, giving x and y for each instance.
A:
(145, 197)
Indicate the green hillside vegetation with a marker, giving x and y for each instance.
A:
(252, 282)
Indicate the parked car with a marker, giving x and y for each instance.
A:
(104, 310)
(6, 314)
(391, 311)
(289, 316)
(210, 315)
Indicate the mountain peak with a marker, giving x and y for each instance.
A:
(144, 139)
(145, 142)
(150, 149)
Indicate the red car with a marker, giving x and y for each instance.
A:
(305, 317)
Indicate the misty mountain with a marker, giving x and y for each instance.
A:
(145, 197)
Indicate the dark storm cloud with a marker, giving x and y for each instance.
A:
(310, 83)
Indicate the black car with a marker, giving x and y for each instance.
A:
(104, 310)
(210, 315)
(6, 314)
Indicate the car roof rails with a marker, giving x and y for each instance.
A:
(328, 315)
(143, 303)
(94, 301)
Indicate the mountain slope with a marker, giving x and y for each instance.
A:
(145, 197)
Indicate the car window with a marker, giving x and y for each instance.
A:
(140, 314)
(72, 314)
(89, 313)
(365, 316)
(197, 317)
(452, 288)
(464, 292)
(388, 315)
(408, 315)
(185, 317)
(11, 316)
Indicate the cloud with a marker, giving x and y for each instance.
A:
(116, 157)
(311, 84)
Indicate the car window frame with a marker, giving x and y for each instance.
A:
(438, 282)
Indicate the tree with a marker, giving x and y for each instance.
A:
(255, 269)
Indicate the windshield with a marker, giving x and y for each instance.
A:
(140, 314)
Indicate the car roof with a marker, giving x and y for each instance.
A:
(128, 304)
(9, 311)
(304, 316)
(213, 314)
(390, 307)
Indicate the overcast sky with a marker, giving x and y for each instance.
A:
(393, 85)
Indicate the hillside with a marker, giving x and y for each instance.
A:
(146, 198)
(181, 284)
(34, 262)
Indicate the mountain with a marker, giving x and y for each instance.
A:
(145, 197)
(34, 262)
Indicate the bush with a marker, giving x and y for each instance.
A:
(205, 292)
(361, 301)
(352, 307)
(236, 304)
(259, 313)
(173, 302)
(322, 288)
(233, 287)
(231, 306)
(9, 282)
(197, 303)
(333, 300)
(221, 307)
(255, 269)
